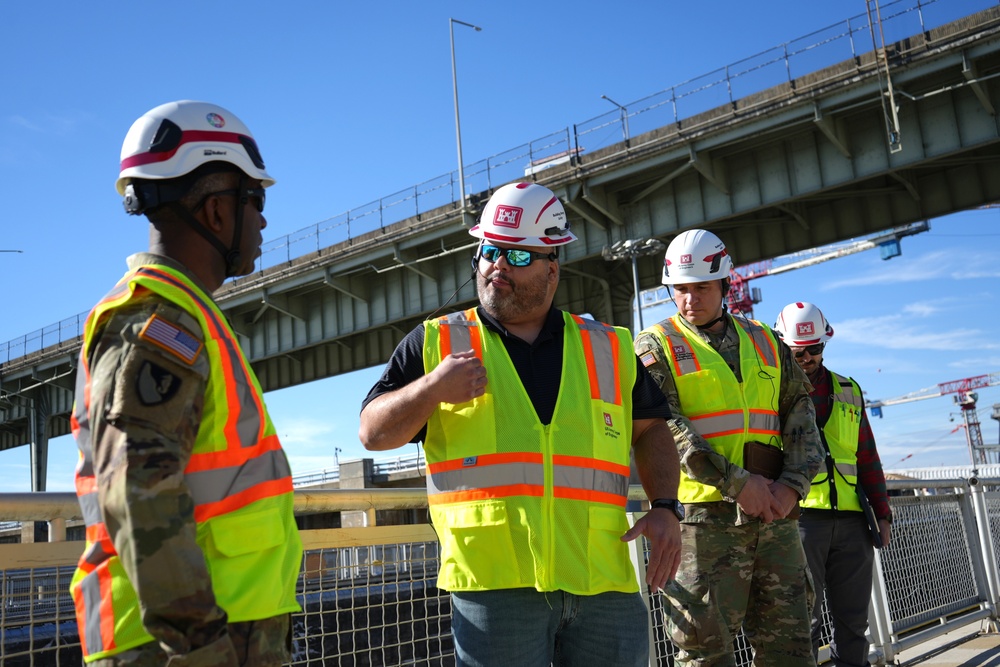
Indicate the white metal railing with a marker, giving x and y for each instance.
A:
(368, 594)
(383, 466)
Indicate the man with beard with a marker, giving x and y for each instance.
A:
(527, 415)
(834, 529)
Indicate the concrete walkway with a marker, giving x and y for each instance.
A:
(969, 646)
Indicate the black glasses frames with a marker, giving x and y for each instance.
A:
(813, 350)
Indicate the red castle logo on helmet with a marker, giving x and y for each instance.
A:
(507, 216)
(685, 259)
(804, 329)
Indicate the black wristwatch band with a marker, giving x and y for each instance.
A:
(672, 504)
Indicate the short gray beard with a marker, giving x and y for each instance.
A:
(526, 294)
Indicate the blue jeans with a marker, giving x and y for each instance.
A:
(523, 627)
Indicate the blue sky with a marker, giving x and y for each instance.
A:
(352, 101)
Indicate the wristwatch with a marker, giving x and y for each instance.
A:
(672, 504)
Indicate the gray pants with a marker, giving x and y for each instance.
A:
(840, 555)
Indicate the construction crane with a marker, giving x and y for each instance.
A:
(742, 297)
(965, 398)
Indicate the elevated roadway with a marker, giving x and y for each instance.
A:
(813, 160)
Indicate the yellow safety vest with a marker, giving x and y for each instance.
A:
(840, 434)
(519, 504)
(725, 412)
(238, 476)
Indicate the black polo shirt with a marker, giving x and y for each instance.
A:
(538, 365)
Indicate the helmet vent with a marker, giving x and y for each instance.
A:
(167, 137)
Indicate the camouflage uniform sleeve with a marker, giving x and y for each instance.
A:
(145, 411)
(799, 434)
(698, 460)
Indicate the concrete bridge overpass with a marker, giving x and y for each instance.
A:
(810, 160)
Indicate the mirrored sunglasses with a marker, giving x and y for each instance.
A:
(514, 256)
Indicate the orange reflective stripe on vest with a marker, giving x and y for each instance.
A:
(223, 475)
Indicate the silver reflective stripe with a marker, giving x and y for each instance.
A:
(846, 393)
(484, 477)
(90, 589)
(764, 422)
(248, 425)
(80, 411)
(533, 474)
(210, 486)
(680, 351)
(763, 343)
(95, 554)
(847, 469)
(589, 479)
(714, 425)
(459, 332)
(90, 508)
(604, 358)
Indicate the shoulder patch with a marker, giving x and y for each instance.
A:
(173, 338)
(155, 384)
(648, 359)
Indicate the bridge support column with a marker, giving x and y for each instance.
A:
(39, 419)
(357, 475)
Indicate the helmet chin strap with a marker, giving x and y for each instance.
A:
(232, 256)
(720, 318)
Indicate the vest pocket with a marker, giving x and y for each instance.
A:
(703, 390)
(477, 549)
(244, 559)
(610, 566)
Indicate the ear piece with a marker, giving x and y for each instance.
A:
(475, 261)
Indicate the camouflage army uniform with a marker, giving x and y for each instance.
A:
(145, 412)
(736, 570)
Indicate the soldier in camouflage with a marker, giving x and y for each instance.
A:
(742, 564)
(192, 551)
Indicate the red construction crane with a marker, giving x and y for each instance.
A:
(966, 399)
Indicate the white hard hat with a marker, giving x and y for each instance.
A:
(801, 324)
(696, 256)
(176, 138)
(525, 214)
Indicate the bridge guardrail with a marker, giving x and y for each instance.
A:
(368, 594)
(732, 85)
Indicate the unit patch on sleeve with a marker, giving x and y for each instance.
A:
(156, 384)
(170, 337)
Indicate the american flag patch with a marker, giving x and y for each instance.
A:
(647, 359)
(172, 338)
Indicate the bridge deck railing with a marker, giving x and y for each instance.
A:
(369, 596)
(797, 65)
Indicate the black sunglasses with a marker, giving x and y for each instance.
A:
(813, 350)
(514, 256)
(257, 194)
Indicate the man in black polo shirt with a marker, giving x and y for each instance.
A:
(528, 415)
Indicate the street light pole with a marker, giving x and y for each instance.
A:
(458, 126)
(624, 113)
(633, 249)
